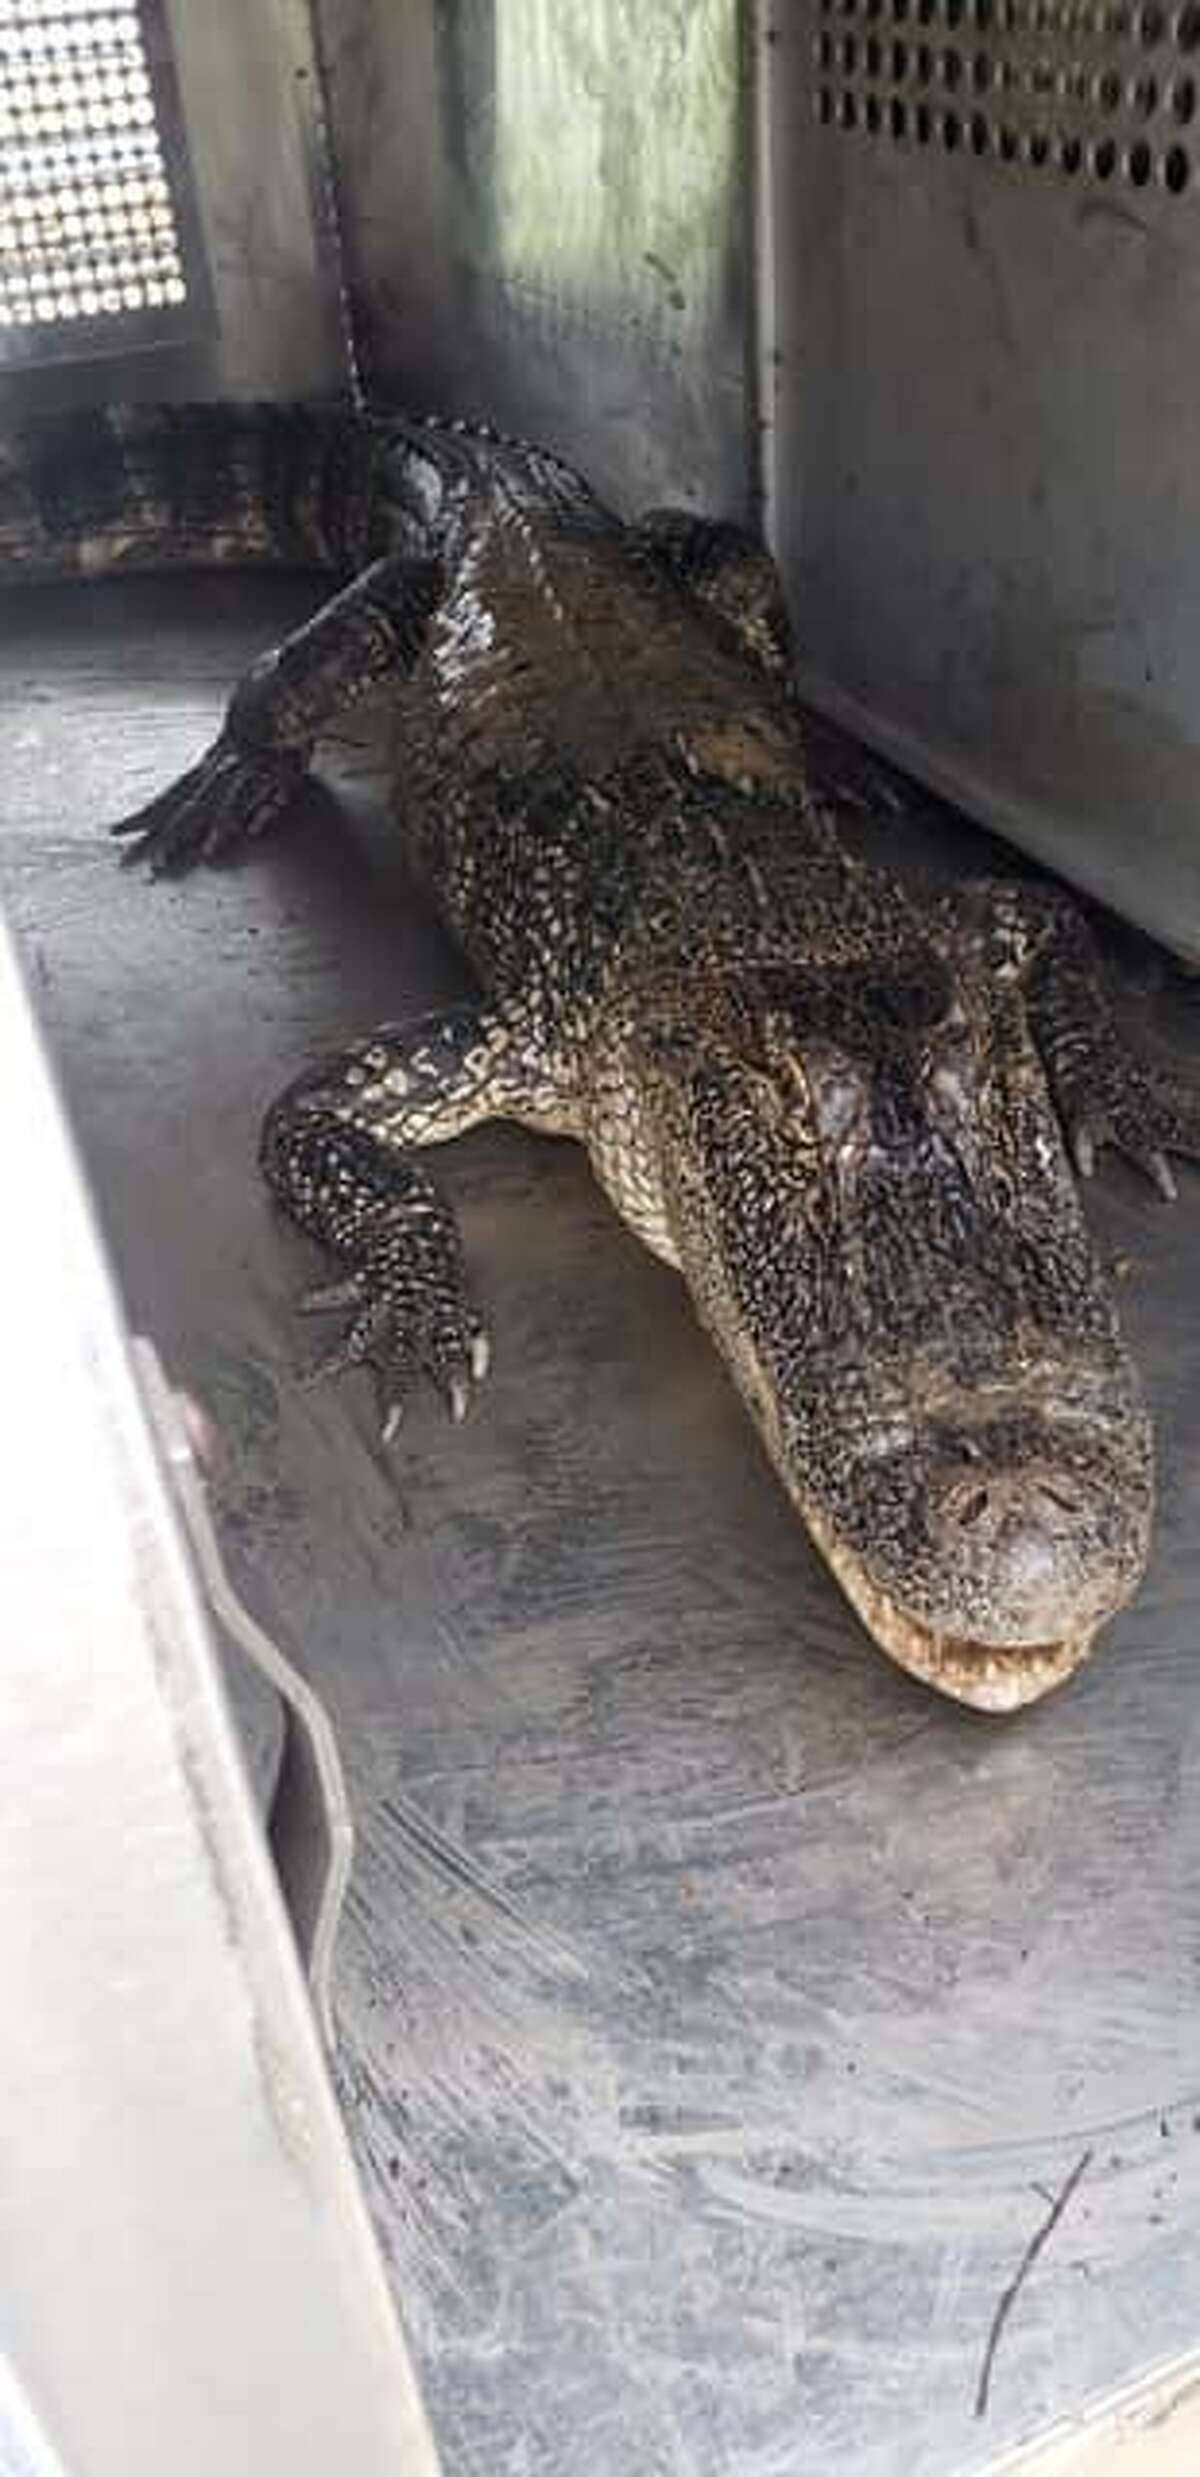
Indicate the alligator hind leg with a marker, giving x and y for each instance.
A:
(736, 584)
(336, 1151)
(1103, 1092)
(277, 713)
(729, 573)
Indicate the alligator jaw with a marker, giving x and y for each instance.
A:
(990, 1677)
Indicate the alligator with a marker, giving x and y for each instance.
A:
(851, 1117)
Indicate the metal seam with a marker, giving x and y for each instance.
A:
(329, 188)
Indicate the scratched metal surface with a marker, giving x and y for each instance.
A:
(719, 2011)
(545, 214)
(986, 487)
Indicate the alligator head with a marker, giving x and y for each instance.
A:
(874, 1211)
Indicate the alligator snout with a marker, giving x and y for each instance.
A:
(985, 1546)
(1036, 1540)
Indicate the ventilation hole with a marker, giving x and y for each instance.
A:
(849, 54)
(898, 117)
(899, 61)
(925, 12)
(1117, 23)
(1139, 164)
(951, 131)
(848, 111)
(924, 63)
(874, 9)
(1042, 79)
(979, 134)
(1143, 95)
(824, 51)
(1037, 147)
(952, 69)
(1070, 154)
(1104, 159)
(900, 11)
(1177, 170)
(981, 73)
(825, 107)
(954, 13)
(983, 13)
(1183, 99)
(1187, 27)
(1108, 91)
(872, 114)
(922, 124)
(1006, 141)
(1152, 25)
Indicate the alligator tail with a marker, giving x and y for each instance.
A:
(113, 488)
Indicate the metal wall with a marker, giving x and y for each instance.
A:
(545, 215)
(986, 488)
(251, 105)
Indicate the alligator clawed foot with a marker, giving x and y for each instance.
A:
(229, 797)
(408, 1320)
(1138, 1146)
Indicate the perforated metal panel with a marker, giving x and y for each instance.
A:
(985, 488)
(1100, 93)
(97, 240)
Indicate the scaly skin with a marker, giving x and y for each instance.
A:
(841, 1114)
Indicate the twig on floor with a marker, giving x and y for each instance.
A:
(1021, 2274)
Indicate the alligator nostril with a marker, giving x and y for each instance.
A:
(1008, 1501)
(1059, 1497)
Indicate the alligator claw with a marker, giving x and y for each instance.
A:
(230, 796)
(329, 1298)
(1132, 1134)
(411, 1315)
(1150, 1158)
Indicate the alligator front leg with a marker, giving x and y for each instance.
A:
(336, 1151)
(1103, 1092)
(278, 712)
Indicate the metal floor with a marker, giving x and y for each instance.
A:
(719, 2010)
